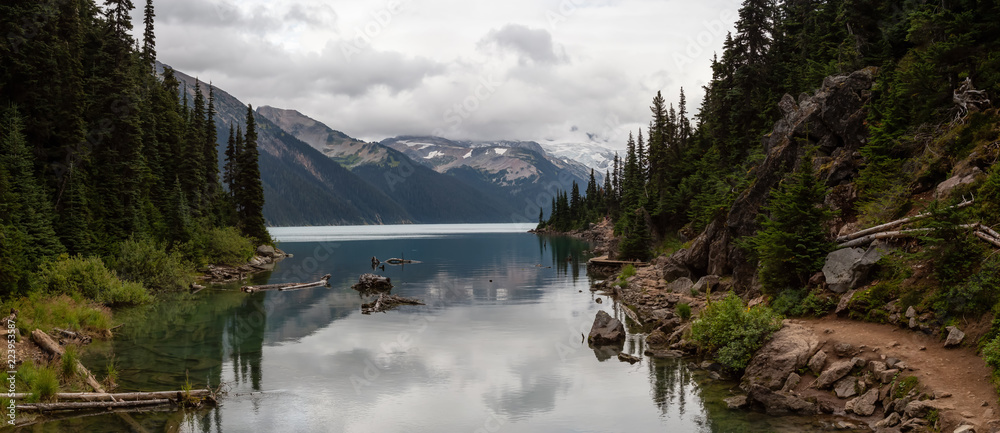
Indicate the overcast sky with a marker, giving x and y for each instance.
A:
(516, 69)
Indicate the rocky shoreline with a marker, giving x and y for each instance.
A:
(823, 366)
(264, 259)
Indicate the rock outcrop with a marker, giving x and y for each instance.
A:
(846, 268)
(832, 120)
(789, 349)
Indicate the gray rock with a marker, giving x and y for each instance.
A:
(736, 402)
(792, 381)
(817, 362)
(864, 405)
(606, 330)
(890, 362)
(708, 282)
(945, 188)
(846, 387)
(886, 376)
(780, 403)
(913, 323)
(913, 424)
(965, 429)
(890, 421)
(918, 409)
(955, 337)
(680, 285)
(846, 268)
(911, 312)
(266, 251)
(845, 301)
(833, 373)
(788, 349)
(844, 350)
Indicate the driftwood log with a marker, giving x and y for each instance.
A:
(386, 302)
(122, 396)
(83, 405)
(372, 282)
(287, 286)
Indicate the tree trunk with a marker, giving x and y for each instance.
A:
(286, 286)
(129, 396)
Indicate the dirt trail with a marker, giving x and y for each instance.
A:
(958, 371)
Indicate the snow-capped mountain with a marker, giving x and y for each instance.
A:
(589, 154)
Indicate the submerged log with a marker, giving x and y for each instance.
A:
(395, 261)
(386, 302)
(287, 286)
(83, 405)
(372, 282)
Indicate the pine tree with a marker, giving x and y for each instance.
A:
(792, 242)
(575, 203)
(149, 37)
(229, 168)
(250, 192)
(29, 208)
(211, 154)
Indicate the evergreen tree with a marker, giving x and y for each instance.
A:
(211, 154)
(250, 192)
(25, 206)
(792, 242)
(575, 203)
(230, 163)
(149, 37)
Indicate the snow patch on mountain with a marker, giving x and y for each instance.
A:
(591, 155)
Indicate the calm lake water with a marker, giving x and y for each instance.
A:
(498, 347)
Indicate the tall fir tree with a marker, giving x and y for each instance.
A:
(250, 192)
(149, 37)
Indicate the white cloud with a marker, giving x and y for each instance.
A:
(564, 68)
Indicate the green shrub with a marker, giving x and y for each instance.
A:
(974, 295)
(988, 198)
(220, 246)
(906, 385)
(734, 332)
(41, 381)
(69, 359)
(145, 262)
(627, 272)
(45, 313)
(684, 310)
(801, 302)
(88, 277)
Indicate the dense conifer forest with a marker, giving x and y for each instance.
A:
(105, 169)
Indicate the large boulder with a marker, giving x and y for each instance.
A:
(780, 403)
(835, 372)
(789, 349)
(847, 267)
(606, 330)
(864, 405)
(266, 251)
(955, 336)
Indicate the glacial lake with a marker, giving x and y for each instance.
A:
(498, 348)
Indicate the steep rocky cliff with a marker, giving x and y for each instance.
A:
(832, 122)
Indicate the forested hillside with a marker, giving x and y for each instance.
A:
(823, 126)
(103, 158)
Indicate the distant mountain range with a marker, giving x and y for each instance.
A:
(315, 175)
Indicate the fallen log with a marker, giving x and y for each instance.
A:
(989, 239)
(372, 282)
(46, 342)
(82, 405)
(897, 223)
(386, 302)
(395, 261)
(286, 286)
(117, 396)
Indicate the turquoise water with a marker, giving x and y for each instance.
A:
(497, 348)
